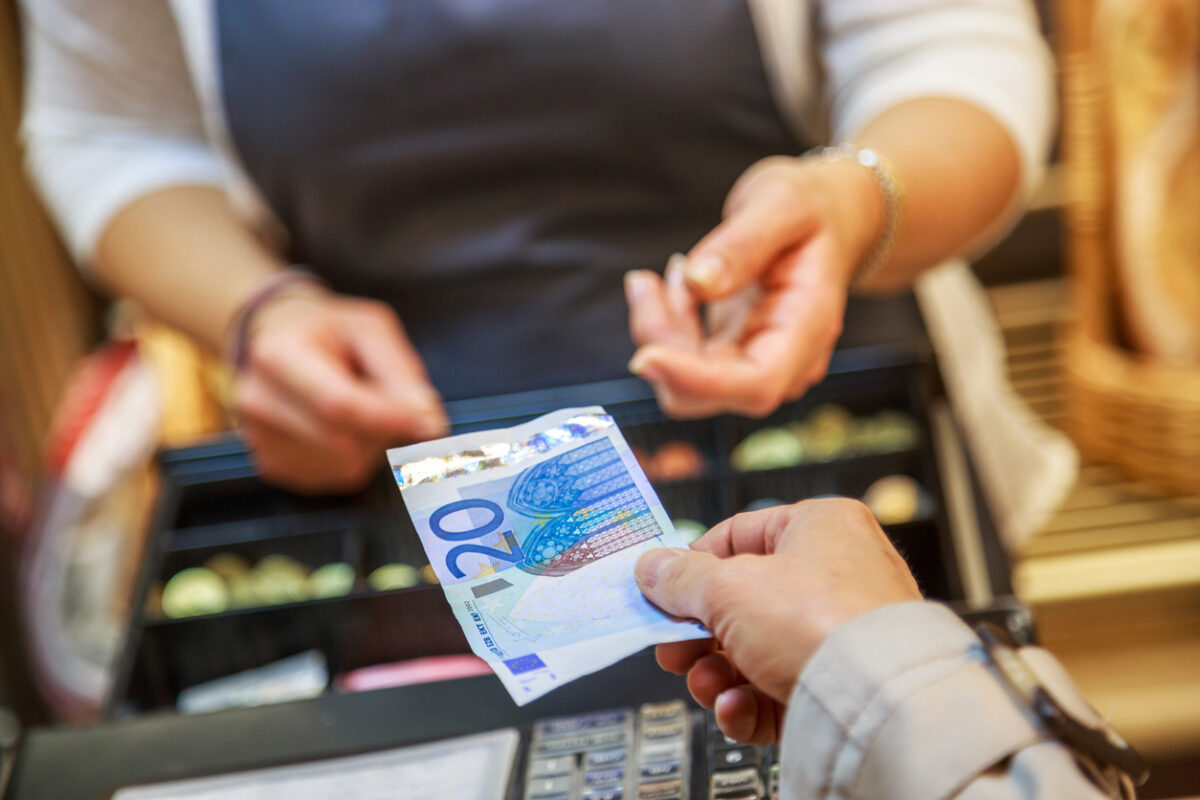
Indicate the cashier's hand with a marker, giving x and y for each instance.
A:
(774, 276)
(330, 382)
(770, 585)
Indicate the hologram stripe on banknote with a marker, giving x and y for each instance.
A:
(424, 464)
(533, 532)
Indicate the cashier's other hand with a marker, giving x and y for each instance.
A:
(774, 276)
(771, 585)
(329, 382)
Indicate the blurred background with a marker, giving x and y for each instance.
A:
(108, 493)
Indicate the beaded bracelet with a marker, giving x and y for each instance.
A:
(238, 337)
(893, 201)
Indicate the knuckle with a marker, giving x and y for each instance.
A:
(763, 403)
(670, 405)
(725, 585)
(251, 402)
(797, 390)
(243, 396)
(718, 589)
(344, 451)
(268, 468)
(854, 511)
(272, 468)
(770, 168)
(737, 245)
(791, 190)
(333, 405)
(648, 330)
(262, 354)
(357, 474)
(255, 440)
(378, 312)
(836, 325)
(249, 408)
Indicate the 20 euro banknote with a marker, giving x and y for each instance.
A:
(533, 532)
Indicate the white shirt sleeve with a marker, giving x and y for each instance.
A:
(110, 111)
(989, 53)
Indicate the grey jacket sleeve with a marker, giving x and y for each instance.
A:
(901, 704)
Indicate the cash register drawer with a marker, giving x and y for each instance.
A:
(212, 503)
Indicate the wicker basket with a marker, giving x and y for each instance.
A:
(1122, 408)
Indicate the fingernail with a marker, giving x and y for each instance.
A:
(708, 272)
(640, 365)
(635, 284)
(724, 707)
(650, 566)
(676, 269)
(637, 363)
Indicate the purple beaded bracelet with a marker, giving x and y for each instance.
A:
(239, 326)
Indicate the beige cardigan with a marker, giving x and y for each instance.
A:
(901, 704)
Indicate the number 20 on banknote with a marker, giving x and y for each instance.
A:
(514, 555)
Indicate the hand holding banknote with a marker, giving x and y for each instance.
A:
(771, 585)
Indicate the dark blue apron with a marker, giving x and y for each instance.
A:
(491, 168)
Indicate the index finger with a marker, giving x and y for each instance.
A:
(336, 396)
(714, 379)
(390, 361)
(678, 657)
(735, 253)
(749, 533)
(394, 369)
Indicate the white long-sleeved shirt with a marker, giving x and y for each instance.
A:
(123, 96)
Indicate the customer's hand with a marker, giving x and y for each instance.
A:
(770, 585)
(780, 264)
(330, 382)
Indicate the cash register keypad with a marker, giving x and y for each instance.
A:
(643, 755)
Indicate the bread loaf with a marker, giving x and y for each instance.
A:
(1150, 53)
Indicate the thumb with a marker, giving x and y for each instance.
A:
(738, 251)
(677, 580)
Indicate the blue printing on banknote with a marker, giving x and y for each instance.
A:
(571, 510)
(568, 511)
(522, 664)
(553, 517)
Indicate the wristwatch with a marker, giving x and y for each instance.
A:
(1106, 757)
